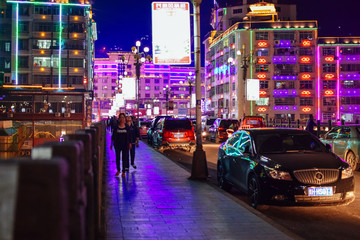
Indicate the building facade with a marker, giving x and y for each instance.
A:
(48, 82)
(163, 89)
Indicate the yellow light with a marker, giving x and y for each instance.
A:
(43, 17)
(75, 35)
(76, 18)
(43, 34)
(42, 69)
(76, 52)
(42, 51)
(76, 70)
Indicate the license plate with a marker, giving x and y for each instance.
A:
(178, 135)
(320, 191)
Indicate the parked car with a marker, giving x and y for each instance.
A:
(252, 122)
(144, 127)
(152, 128)
(174, 133)
(284, 166)
(345, 142)
(206, 124)
(218, 131)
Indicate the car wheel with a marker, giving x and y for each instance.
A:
(222, 183)
(254, 192)
(351, 159)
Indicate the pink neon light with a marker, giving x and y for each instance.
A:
(338, 82)
(318, 85)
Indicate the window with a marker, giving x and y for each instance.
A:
(350, 51)
(23, 44)
(281, 101)
(329, 68)
(24, 27)
(147, 95)
(306, 35)
(23, 62)
(350, 67)
(262, 52)
(329, 84)
(157, 88)
(147, 88)
(166, 81)
(284, 84)
(238, 10)
(306, 68)
(306, 84)
(157, 81)
(44, 62)
(104, 81)
(306, 101)
(23, 78)
(328, 51)
(147, 80)
(350, 100)
(264, 84)
(288, 35)
(72, 62)
(46, 10)
(44, 44)
(261, 36)
(284, 51)
(329, 101)
(262, 68)
(284, 69)
(7, 47)
(306, 51)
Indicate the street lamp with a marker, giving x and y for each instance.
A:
(140, 58)
(245, 61)
(230, 61)
(167, 92)
(190, 90)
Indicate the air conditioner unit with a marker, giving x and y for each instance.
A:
(57, 114)
(66, 114)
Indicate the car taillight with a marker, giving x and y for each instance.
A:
(221, 128)
(190, 134)
(166, 134)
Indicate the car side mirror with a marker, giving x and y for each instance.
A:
(328, 147)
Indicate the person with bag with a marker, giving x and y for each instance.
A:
(120, 139)
(134, 138)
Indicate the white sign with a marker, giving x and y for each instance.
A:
(129, 88)
(252, 89)
(171, 33)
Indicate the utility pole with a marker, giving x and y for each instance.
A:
(199, 168)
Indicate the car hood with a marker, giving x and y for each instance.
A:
(303, 160)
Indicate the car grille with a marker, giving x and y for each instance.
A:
(304, 198)
(317, 176)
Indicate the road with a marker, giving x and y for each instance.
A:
(334, 222)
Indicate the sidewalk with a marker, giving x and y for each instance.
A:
(157, 201)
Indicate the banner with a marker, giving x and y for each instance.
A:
(252, 89)
(129, 88)
(171, 33)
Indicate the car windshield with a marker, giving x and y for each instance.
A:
(233, 124)
(252, 122)
(210, 121)
(174, 124)
(287, 142)
(147, 124)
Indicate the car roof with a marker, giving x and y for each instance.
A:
(267, 130)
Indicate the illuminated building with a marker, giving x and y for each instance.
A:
(5, 41)
(51, 78)
(113, 74)
(281, 54)
(228, 12)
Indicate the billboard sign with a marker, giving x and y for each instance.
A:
(252, 89)
(171, 33)
(129, 88)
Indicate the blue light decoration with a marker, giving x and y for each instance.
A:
(284, 93)
(287, 108)
(284, 59)
(223, 69)
(284, 77)
(283, 43)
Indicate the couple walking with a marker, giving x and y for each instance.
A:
(124, 137)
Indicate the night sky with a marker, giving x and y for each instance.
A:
(123, 22)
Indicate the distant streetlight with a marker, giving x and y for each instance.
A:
(190, 90)
(167, 92)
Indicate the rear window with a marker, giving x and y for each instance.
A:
(177, 124)
(147, 124)
(210, 121)
(226, 123)
(252, 122)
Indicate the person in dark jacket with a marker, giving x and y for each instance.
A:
(134, 138)
(310, 124)
(120, 139)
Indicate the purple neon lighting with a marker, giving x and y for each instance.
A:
(283, 43)
(285, 93)
(287, 108)
(318, 115)
(350, 108)
(284, 77)
(349, 92)
(338, 82)
(283, 59)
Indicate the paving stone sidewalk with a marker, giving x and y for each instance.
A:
(158, 201)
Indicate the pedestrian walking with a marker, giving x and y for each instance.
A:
(310, 124)
(134, 138)
(120, 139)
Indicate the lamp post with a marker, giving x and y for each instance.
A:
(244, 61)
(167, 92)
(230, 61)
(190, 90)
(140, 58)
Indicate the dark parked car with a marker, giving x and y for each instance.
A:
(174, 133)
(218, 131)
(152, 128)
(345, 141)
(284, 166)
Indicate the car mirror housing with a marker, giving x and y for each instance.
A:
(328, 147)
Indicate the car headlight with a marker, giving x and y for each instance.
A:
(279, 175)
(204, 133)
(347, 173)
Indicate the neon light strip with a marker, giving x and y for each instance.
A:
(338, 82)
(51, 3)
(318, 85)
(60, 33)
(347, 44)
(277, 29)
(17, 46)
(251, 65)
